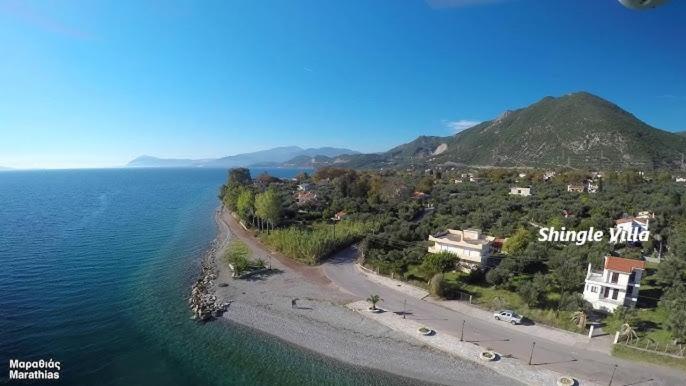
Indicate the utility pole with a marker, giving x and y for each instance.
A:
(404, 307)
(462, 331)
(613, 375)
(531, 356)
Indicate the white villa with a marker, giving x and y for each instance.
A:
(520, 191)
(642, 222)
(617, 285)
(471, 247)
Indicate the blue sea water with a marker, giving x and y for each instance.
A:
(95, 269)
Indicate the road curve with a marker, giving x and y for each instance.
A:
(573, 360)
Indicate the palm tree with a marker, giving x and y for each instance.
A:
(579, 318)
(373, 299)
(628, 331)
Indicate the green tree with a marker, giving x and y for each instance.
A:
(239, 176)
(425, 185)
(566, 270)
(438, 263)
(498, 276)
(671, 270)
(533, 291)
(518, 242)
(674, 302)
(245, 204)
(268, 208)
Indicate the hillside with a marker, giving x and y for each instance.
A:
(270, 157)
(576, 130)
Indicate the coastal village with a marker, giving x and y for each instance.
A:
(468, 238)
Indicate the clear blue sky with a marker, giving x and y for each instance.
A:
(96, 83)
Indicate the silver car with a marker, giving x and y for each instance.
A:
(508, 316)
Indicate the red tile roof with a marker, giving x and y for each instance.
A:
(622, 264)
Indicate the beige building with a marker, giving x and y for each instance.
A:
(471, 247)
(520, 191)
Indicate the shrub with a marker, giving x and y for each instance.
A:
(438, 262)
(437, 285)
(237, 254)
(529, 293)
(497, 276)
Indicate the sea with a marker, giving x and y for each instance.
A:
(95, 270)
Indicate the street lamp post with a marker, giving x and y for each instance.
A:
(613, 374)
(531, 356)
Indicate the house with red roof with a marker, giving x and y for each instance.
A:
(617, 285)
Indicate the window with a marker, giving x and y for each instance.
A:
(607, 292)
(615, 293)
(594, 289)
(615, 277)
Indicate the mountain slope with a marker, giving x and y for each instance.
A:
(146, 161)
(273, 156)
(576, 130)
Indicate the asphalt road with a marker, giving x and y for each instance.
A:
(573, 360)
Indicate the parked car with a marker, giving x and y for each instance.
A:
(508, 316)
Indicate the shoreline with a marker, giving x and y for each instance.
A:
(320, 322)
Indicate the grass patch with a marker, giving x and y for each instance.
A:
(622, 351)
(311, 244)
(492, 298)
(651, 317)
(237, 255)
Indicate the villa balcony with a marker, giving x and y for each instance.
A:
(597, 279)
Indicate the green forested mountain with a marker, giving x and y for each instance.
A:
(576, 130)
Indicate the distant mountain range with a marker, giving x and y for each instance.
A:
(578, 130)
(2, 168)
(276, 157)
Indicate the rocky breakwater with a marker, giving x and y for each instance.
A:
(203, 303)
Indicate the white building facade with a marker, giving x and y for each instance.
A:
(520, 191)
(617, 285)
